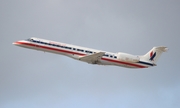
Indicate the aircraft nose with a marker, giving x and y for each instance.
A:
(16, 43)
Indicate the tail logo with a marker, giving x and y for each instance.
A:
(152, 55)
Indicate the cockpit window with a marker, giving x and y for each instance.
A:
(30, 39)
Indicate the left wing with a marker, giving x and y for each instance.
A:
(93, 59)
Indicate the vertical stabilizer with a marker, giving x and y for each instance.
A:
(154, 54)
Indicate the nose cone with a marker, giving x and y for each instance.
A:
(14, 43)
(18, 43)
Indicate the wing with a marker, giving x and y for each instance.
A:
(92, 58)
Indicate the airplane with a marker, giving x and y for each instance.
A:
(93, 56)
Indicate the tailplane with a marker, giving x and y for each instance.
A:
(154, 54)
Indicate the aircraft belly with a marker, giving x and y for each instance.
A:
(104, 62)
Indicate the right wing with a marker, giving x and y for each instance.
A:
(93, 59)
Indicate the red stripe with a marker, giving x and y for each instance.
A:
(49, 48)
(70, 52)
(120, 62)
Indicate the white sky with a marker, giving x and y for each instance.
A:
(30, 78)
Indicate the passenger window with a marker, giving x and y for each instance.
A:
(80, 50)
(74, 48)
(88, 51)
(115, 56)
(106, 55)
(111, 56)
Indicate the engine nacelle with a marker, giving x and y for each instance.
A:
(127, 58)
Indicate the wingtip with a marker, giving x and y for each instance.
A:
(166, 49)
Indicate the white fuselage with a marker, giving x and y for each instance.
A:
(76, 52)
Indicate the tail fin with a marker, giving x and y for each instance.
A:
(154, 54)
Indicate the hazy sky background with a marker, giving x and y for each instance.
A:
(34, 79)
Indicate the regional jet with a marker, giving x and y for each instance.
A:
(93, 56)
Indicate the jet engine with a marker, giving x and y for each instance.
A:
(127, 57)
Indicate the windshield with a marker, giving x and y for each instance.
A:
(30, 39)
